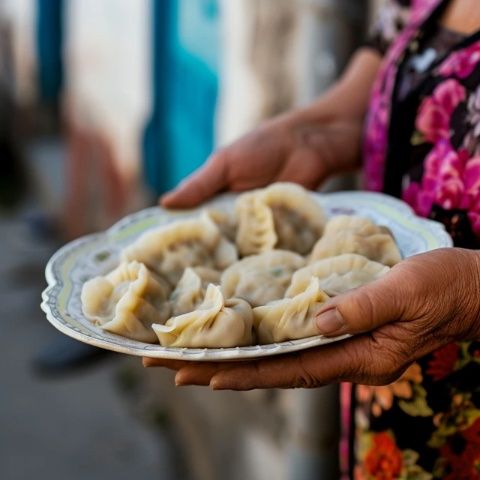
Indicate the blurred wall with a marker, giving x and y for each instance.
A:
(106, 101)
(19, 15)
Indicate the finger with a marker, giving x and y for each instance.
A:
(312, 368)
(163, 362)
(203, 184)
(197, 374)
(359, 360)
(366, 308)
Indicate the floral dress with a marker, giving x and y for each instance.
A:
(422, 143)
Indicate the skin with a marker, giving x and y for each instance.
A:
(303, 146)
(422, 304)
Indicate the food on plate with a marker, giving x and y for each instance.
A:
(299, 219)
(225, 222)
(337, 274)
(259, 279)
(256, 227)
(282, 216)
(290, 318)
(357, 235)
(127, 301)
(215, 323)
(190, 290)
(169, 250)
(231, 278)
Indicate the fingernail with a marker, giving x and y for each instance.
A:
(330, 322)
(179, 381)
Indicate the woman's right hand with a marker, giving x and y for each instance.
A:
(287, 148)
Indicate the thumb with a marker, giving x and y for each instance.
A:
(365, 308)
(203, 184)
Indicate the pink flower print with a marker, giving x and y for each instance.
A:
(435, 112)
(451, 180)
(461, 64)
(375, 145)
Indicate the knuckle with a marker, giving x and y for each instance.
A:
(304, 377)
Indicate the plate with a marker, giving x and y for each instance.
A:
(93, 255)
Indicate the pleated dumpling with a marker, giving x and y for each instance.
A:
(290, 318)
(282, 216)
(170, 249)
(215, 323)
(299, 220)
(337, 274)
(359, 235)
(127, 301)
(259, 279)
(256, 227)
(225, 222)
(360, 225)
(190, 290)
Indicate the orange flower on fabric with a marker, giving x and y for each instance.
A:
(384, 460)
(382, 397)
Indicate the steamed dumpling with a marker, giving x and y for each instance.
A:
(337, 274)
(215, 323)
(354, 234)
(256, 227)
(259, 279)
(190, 290)
(282, 216)
(170, 249)
(225, 222)
(298, 218)
(379, 247)
(290, 318)
(127, 301)
(360, 225)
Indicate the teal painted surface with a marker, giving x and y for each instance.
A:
(180, 134)
(49, 45)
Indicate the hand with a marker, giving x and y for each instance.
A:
(423, 303)
(288, 148)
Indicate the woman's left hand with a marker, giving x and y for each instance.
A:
(422, 304)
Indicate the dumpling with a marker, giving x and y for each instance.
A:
(360, 225)
(170, 249)
(256, 228)
(225, 222)
(355, 234)
(259, 279)
(282, 216)
(379, 247)
(190, 290)
(127, 301)
(216, 323)
(299, 220)
(290, 318)
(337, 274)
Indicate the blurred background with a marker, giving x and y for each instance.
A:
(104, 105)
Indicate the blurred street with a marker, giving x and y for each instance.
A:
(72, 426)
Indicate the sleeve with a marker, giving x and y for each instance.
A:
(389, 21)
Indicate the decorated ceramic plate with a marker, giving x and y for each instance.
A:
(97, 254)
